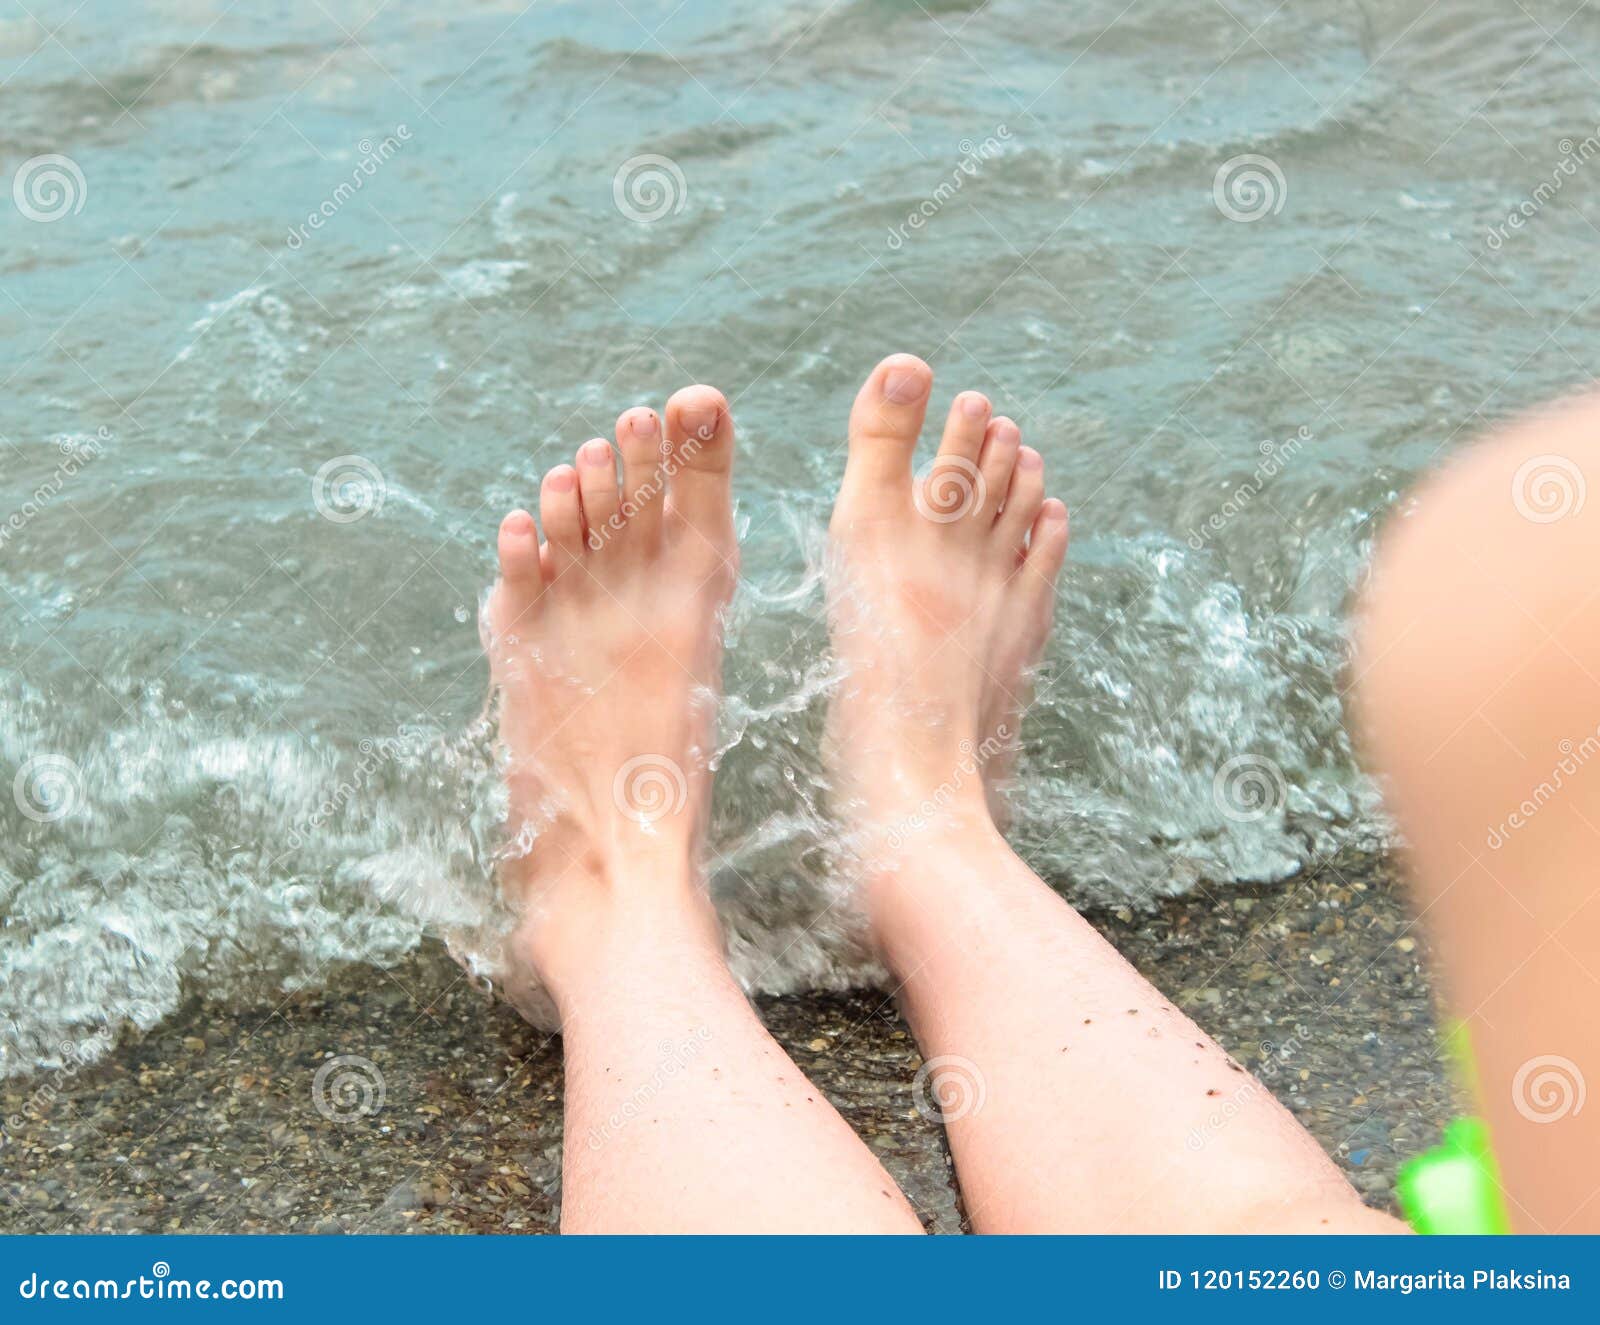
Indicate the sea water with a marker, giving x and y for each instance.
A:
(296, 300)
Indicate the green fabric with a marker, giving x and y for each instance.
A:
(1455, 1187)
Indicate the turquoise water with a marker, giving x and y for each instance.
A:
(253, 460)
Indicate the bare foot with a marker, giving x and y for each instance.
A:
(605, 644)
(941, 592)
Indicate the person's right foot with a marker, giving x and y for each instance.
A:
(941, 593)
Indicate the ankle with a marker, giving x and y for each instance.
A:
(635, 961)
(917, 858)
(948, 884)
(900, 830)
(616, 915)
(900, 799)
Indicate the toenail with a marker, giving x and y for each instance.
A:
(594, 452)
(560, 480)
(643, 424)
(518, 522)
(1028, 458)
(1005, 430)
(905, 386)
(700, 420)
(1055, 509)
(974, 406)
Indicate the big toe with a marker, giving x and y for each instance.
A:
(700, 460)
(885, 422)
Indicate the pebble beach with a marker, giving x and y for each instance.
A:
(449, 1119)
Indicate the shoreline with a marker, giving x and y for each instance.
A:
(210, 1122)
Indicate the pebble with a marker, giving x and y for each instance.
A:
(210, 1120)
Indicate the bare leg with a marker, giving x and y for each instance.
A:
(682, 1113)
(1077, 1098)
(1479, 681)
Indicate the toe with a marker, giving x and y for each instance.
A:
(520, 579)
(1047, 550)
(561, 515)
(644, 481)
(700, 460)
(996, 461)
(951, 491)
(1023, 499)
(519, 551)
(963, 430)
(885, 422)
(597, 486)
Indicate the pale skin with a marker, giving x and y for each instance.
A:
(1478, 681)
(682, 1113)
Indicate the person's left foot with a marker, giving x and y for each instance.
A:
(605, 644)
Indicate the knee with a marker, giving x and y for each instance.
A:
(1487, 560)
(1480, 624)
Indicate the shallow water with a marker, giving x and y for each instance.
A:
(254, 464)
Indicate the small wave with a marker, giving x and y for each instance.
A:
(259, 692)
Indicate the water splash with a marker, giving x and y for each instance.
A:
(208, 652)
